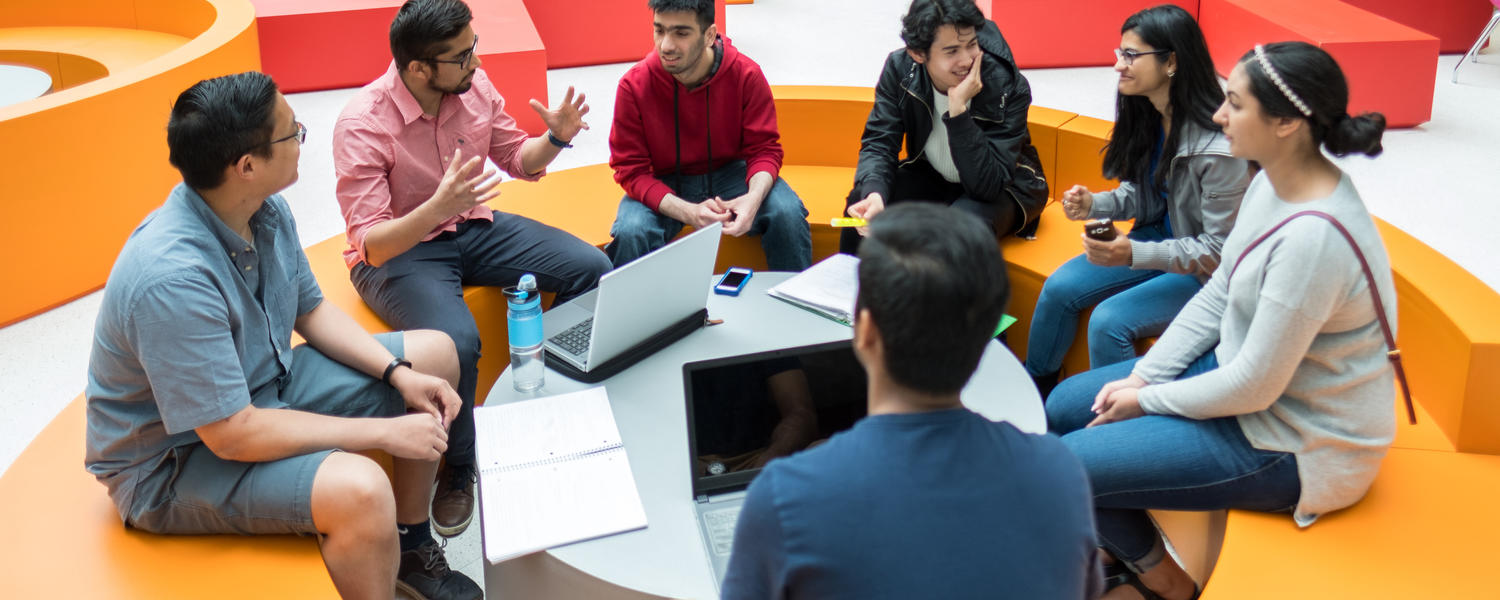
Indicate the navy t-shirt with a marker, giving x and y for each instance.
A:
(943, 504)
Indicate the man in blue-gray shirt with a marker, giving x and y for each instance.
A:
(201, 416)
(923, 498)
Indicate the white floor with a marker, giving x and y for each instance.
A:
(1436, 181)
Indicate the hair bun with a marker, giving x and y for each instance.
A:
(1356, 134)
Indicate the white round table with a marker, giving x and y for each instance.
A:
(19, 83)
(667, 558)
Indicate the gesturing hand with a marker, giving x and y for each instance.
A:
(1077, 202)
(567, 120)
(959, 95)
(457, 192)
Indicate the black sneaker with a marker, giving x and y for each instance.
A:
(424, 575)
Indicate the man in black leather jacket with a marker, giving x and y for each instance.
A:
(979, 156)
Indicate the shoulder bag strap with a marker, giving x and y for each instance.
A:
(1392, 353)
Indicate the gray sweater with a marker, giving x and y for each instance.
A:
(1301, 356)
(1206, 186)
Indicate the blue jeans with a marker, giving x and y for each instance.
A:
(781, 221)
(1164, 462)
(1131, 304)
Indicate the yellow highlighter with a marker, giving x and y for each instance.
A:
(847, 222)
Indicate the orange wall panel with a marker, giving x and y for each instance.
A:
(68, 217)
(91, 13)
(78, 70)
(1080, 153)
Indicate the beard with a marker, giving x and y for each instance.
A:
(458, 88)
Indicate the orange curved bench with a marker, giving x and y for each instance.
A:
(1420, 532)
(64, 218)
(1426, 526)
(76, 546)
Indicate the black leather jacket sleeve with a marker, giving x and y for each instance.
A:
(884, 131)
(987, 139)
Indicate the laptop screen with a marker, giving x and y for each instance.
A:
(743, 411)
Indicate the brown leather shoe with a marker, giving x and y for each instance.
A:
(453, 503)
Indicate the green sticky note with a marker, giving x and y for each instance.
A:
(1005, 322)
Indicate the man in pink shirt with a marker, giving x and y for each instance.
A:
(409, 151)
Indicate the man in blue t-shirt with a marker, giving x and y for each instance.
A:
(923, 498)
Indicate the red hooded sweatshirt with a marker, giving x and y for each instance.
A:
(733, 108)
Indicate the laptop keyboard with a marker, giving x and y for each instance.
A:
(576, 338)
(719, 525)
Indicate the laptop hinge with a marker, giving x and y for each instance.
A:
(702, 498)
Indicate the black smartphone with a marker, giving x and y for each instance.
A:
(1100, 229)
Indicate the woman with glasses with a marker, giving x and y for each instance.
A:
(1177, 181)
(1271, 391)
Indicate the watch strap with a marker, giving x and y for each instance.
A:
(391, 368)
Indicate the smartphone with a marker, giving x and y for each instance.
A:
(1100, 229)
(733, 281)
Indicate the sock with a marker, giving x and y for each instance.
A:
(413, 536)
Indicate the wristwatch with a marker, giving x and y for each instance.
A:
(556, 141)
(391, 368)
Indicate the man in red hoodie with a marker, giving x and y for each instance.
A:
(695, 141)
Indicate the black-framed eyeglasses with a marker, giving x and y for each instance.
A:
(463, 59)
(1129, 56)
(300, 135)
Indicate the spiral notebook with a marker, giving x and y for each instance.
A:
(552, 471)
(827, 288)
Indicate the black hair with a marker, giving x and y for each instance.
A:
(1193, 94)
(935, 285)
(919, 26)
(1316, 78)
(422, 26)
(217, 121)
(702, 9)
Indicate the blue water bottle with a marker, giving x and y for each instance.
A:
(523, 319)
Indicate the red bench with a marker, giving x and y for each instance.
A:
(596, 32)
(327, 44)
(322, 45)
(1066, 33)
(1455, 23)
(1391, 68)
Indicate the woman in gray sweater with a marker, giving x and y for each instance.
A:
(1271, 389)
(1177, 181)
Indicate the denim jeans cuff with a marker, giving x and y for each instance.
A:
(1150, 560)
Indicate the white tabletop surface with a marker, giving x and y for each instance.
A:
(19, 83)
(667, 558)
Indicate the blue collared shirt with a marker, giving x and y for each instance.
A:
(196, 324)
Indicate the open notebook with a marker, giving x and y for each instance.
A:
(552, 471)
(827, 288)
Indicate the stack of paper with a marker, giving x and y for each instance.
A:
(827, 288)
(552, 471)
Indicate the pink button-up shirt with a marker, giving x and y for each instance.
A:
(389, 156)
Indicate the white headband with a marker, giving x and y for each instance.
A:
(1265, 65)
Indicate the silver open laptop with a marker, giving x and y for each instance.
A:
(734, 406)
(634, 302)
